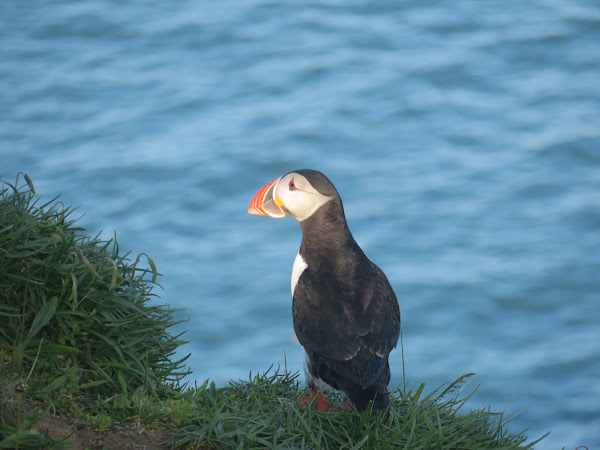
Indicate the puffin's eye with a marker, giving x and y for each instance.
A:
(292, 185)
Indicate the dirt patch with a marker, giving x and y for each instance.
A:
(83, 437)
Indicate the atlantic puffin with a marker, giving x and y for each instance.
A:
(345, 312)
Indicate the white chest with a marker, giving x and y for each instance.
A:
(299, 266)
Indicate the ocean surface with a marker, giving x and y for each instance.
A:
(463, 137)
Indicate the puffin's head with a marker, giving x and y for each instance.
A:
(297, 194)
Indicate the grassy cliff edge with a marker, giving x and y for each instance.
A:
(87, 361)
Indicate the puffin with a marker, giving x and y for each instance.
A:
(345, 312)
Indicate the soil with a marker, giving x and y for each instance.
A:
(83, 437)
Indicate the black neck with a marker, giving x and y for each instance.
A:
(326, 236)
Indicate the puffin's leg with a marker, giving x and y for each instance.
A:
(323, 402)
(346, 405)
(305, 401)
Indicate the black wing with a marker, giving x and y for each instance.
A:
(351, 324)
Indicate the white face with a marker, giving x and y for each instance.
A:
(297, 195)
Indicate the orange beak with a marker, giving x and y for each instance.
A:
(263, 203)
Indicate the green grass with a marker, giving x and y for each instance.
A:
(75, 308)
(79, 337)
(263, 413)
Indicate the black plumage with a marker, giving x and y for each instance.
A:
(345, 312)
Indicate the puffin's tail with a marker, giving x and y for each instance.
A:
(361, 398)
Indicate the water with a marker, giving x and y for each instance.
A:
(463, 137)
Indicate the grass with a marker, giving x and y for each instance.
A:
(263, 412)
(79, 338)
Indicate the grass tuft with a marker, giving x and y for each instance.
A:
(76, 311)
(264, 412)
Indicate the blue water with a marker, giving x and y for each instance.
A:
(464, 138)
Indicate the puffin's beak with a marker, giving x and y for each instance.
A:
(264, 204)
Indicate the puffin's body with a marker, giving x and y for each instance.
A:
(345, 312)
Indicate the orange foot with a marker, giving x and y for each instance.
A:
(323, 403)
(346, 405)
